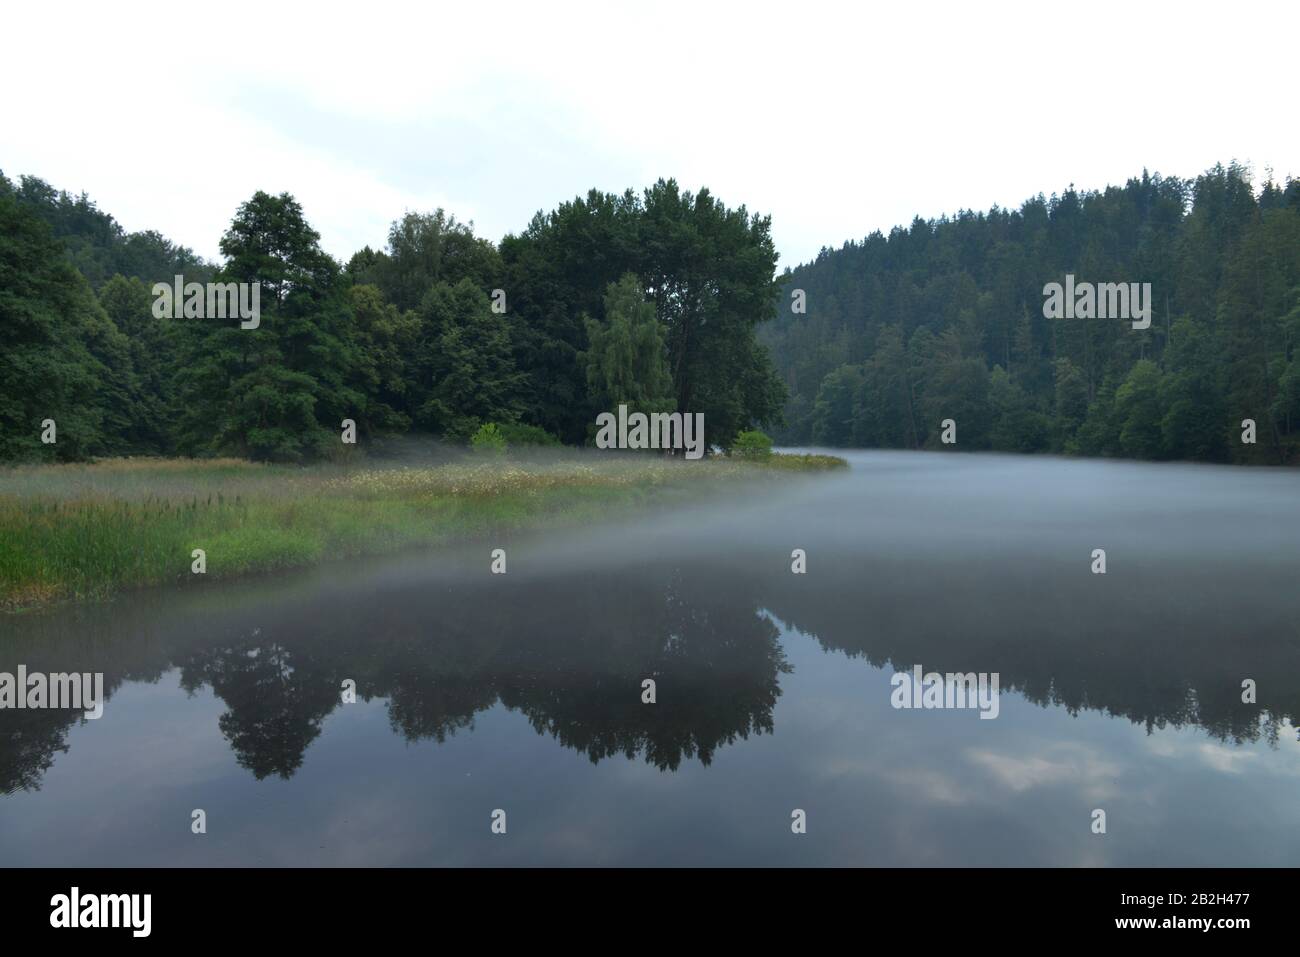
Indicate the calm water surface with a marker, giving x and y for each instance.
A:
(523, 691)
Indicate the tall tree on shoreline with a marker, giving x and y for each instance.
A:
(278, 391)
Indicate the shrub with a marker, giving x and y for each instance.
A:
(516, 433)
(488, 439)
(752, 445)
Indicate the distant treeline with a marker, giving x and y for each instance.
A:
(945, 321)
(647, 299)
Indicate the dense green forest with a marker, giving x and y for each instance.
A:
(650, 299)
(665, 299)
(945, 320)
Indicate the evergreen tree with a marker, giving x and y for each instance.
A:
(833, 411)
(281, 390)
(48, 315)
(1138, 411)
(153, 357)
(464, 372)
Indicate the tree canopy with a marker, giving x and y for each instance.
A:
(945, 320)
(665, 300)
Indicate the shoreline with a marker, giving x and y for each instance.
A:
(70, 533)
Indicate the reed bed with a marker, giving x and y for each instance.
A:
(85, 531)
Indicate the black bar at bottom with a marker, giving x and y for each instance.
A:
(216, 906)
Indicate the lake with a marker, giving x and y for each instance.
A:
(523, 692)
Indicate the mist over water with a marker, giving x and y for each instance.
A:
(523, 691)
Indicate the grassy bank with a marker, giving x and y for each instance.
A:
(84, 531)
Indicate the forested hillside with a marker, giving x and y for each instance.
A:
(440, 333)
(945, 320)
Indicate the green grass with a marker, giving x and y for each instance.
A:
(86, 531)
(802, 463)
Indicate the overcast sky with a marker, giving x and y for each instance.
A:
(835, 119)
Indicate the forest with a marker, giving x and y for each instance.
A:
(649, 300)
(665, 300)
(945, 320)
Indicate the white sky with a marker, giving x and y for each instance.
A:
(836, 118)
